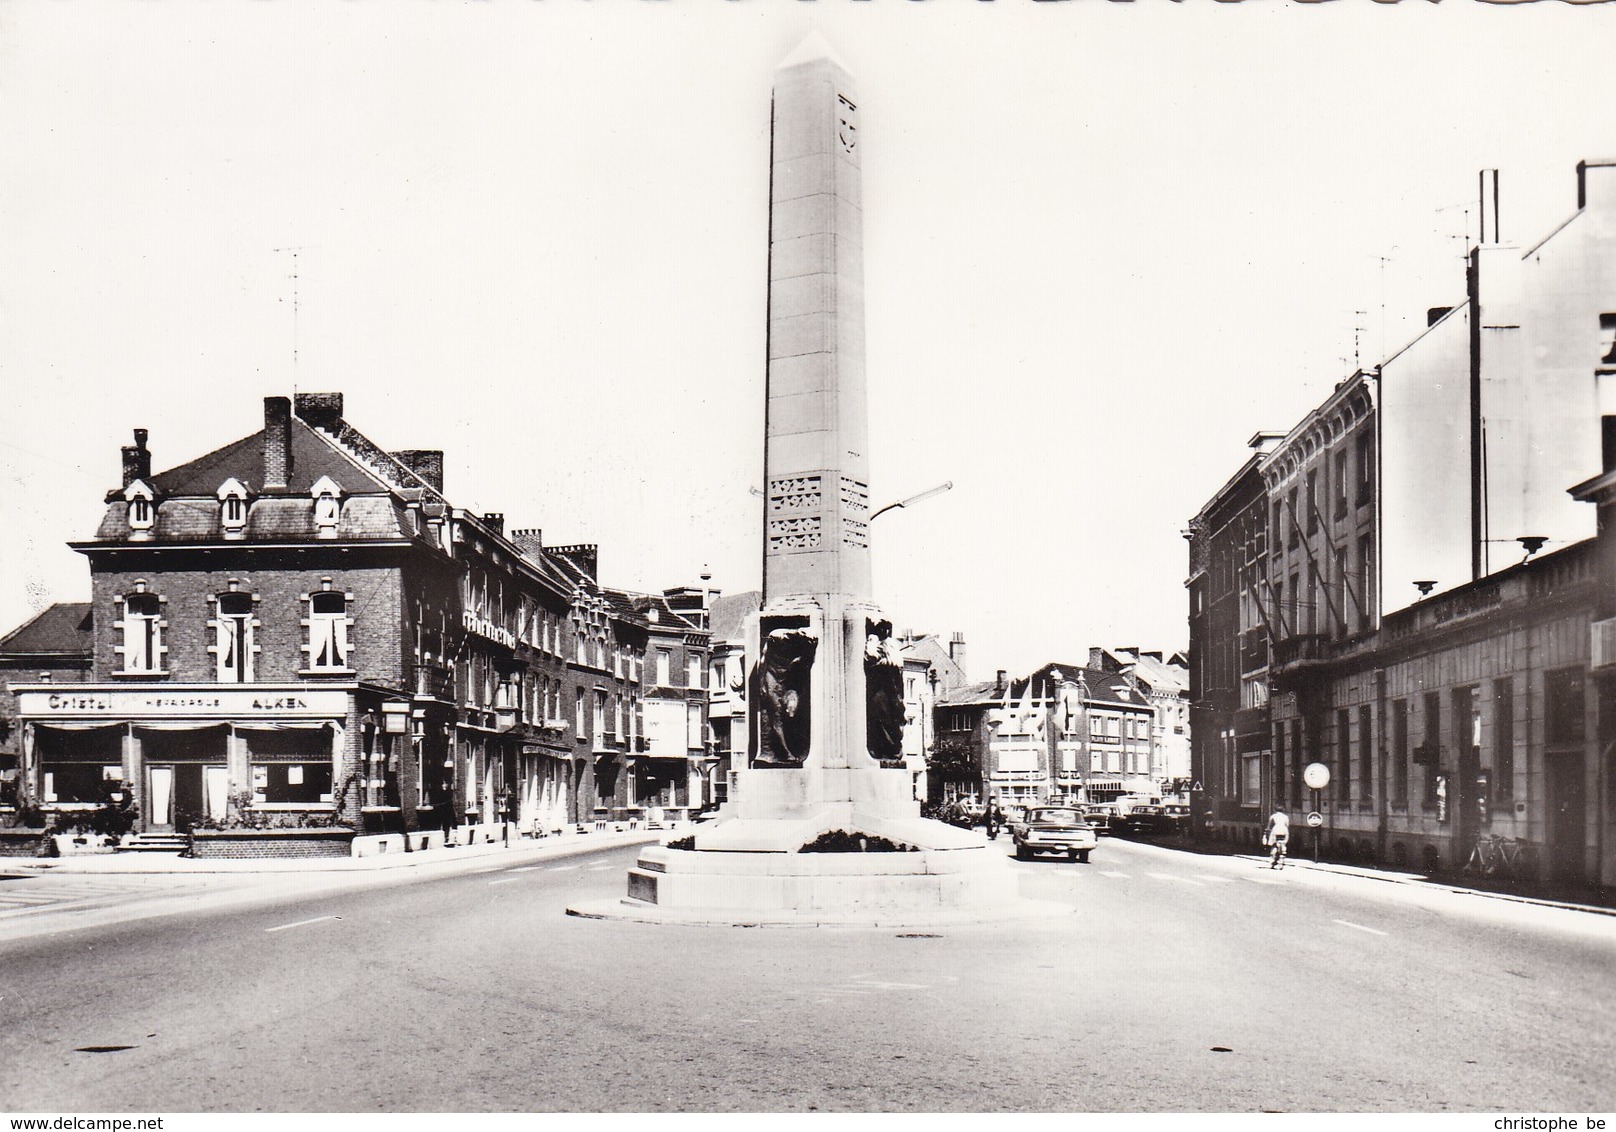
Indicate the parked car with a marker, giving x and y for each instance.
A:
(1054, 829)
(1145, 821)
(1104, 818)
(1176, 818)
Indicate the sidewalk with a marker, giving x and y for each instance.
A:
(1581, 900)
(554, 845)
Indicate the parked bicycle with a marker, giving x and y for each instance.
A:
(1495, 855)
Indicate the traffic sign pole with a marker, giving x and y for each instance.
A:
(1317, 777)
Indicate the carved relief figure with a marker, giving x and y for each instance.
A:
(783, 719)
(883, 693)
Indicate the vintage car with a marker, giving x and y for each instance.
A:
(1144, 821)
(1104, 818)
(1053, 829)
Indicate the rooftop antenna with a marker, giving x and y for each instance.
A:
(1358, 329)
(294, 253)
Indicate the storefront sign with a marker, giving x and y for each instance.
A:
(188, 703)
(483, 627)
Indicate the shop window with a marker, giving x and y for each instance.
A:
(142, 623)
(328, 625)
(1251, 780)
(290, 767)
(233, 646)
(142, 510)
(78, 766)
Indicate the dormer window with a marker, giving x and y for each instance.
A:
(233, 508)
(327, 507)
(142, 512)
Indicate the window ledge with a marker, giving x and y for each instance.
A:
(298, 807)
(380, 809)
(141, 674)
(328, 672)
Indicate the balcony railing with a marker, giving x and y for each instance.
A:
(435, 680)
(1298, 650)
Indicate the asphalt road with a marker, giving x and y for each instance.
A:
(1180, 983)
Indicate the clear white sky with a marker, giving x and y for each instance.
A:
(1105, 243)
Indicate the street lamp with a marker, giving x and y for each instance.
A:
(927, 494)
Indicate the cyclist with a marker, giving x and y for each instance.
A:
(1277, 836)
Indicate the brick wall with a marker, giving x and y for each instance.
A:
(265, 844)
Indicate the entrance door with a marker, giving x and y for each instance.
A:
(190, 799)
(1567, 803)
(160, 798)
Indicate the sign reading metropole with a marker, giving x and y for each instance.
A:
(182, 703)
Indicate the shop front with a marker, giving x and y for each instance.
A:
(189, 755)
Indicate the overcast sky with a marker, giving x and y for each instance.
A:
(1105, 244)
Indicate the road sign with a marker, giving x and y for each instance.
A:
(1317, 776)
(1315, 819)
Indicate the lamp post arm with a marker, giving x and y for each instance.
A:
(924, 495)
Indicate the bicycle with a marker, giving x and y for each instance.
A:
(1276, 854)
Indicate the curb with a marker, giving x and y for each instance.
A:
(1424, 881)
(114, 865)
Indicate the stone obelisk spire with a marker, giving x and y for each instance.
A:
(816, 541)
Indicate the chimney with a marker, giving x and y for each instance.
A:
(584, 556)
(426, 463)
(136, 459)
(1489, 207)
(956, 650)
(277, 442)
(1434, 315)
(999, 683)
(322, 410)
(494, 521)
(1096, 657)
(530, 541)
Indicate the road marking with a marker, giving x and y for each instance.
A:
(1180, 880)
(597, 868)
(1360, 927)
(507, 880)
(1119, 876)
(1215, 880)
(562, 868)
(525, 869)
(302, 923)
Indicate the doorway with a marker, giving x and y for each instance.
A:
(182, 793)
(1567, 812)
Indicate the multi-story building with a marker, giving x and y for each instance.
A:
(1164, 679)
(672, 756)
(255, 620)
(1442, 716)
(1228, 670)
(728, 685)
(1064, 733)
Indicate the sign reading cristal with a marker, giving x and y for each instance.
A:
(122, 703)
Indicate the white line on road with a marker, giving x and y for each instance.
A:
(525, 869)
(1181, 880)
(597, 868)
(563, 868)
(301, 923)
(507, 880)
(1119, 876)
(1360, 927)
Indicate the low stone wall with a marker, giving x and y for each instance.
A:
(257, 844)
(22, 842)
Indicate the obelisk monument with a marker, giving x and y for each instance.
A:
(822, 826)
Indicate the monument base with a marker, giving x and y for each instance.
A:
(925, 887)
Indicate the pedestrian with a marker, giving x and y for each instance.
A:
(994, 819)
(1277, 836)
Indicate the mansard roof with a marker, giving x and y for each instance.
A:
(313, 456)
(269, 519)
